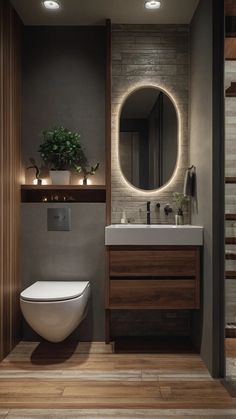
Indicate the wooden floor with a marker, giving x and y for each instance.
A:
(90, 381)
(230, 346)
(230, 349)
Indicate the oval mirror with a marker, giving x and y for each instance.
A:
(148, 144)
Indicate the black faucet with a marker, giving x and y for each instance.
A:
(167, 209)
(148, 213)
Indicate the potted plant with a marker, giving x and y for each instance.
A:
(37, 170)
(61, 151)
(180, 200)
(88, 171)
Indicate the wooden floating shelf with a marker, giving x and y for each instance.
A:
(230, 256)
(231, 91)
(230, 331)
(230, 240)
(63, 193)
(230, 274)
(230, 180)
(230, 217)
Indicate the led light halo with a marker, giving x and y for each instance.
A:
(51, 4)
(172, 180)
(152, 4)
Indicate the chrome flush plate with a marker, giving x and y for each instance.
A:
(59, 219)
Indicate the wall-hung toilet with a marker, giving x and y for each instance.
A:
(55, 308)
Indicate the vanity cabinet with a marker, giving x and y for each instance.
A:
(153, 277)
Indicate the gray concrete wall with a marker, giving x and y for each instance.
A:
(201, 156)
(64, 84)
(78, 254)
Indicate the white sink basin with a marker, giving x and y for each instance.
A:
(155, 234)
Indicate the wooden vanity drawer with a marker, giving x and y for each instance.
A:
(150, 263)
(153, 294)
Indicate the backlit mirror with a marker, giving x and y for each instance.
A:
(148, 143)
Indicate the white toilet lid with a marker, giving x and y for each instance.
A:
(54, 290)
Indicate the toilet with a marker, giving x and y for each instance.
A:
(54, 309)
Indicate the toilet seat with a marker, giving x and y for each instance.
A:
(46, 291)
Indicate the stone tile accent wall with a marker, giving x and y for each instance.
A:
(149, 55)
(230, 191)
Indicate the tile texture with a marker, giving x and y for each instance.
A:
(148, 55)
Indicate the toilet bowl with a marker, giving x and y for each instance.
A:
(55, 308)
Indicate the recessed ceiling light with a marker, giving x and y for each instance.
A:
(152, 4)
(51, 4)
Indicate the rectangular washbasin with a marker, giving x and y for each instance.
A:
(153, 235)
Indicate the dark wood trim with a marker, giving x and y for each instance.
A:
(168, 247)
(230, 240)
(63, 187)
(230, 7)
(108, 121)
(230, 256)
(63, 193)
(230, 179)
(108, 165)
(230, 274)
(231, 91)
(198, 277)
(107, 295)
(230, 332)
(230, 217)
(10, 174)
(218, 239)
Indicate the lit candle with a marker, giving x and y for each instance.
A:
(35, 182)
(89, 182)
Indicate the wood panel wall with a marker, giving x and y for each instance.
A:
(10, 175)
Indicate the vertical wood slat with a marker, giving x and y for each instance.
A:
(108, 122)
(10, 174)
(108, 163)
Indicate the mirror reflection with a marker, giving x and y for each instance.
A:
(148, 141)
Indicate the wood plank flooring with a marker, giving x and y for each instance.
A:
(90, 381)
(230, 347)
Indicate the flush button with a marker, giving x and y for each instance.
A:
(59, 219)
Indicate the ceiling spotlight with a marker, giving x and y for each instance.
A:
(152, 4)
(51, 4)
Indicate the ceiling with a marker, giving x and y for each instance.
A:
(95, 12)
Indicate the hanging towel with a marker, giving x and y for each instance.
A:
(189, 182)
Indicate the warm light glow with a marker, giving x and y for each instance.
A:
(89, 182)
(116, 151)
(51, 4)
(152, 4)
(44, 182)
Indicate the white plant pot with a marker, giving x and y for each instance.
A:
(60, 177)
(179, 220)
